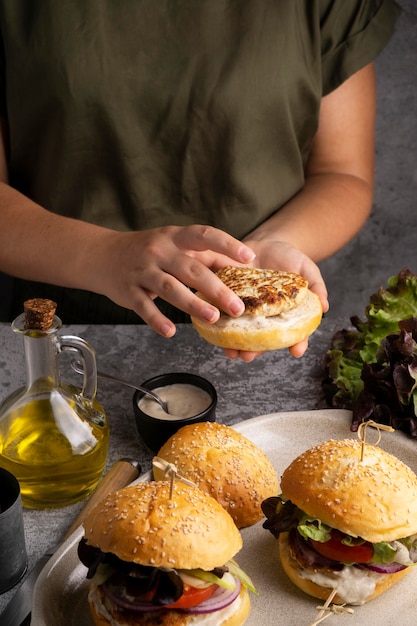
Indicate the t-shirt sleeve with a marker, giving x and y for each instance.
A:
(353, 33)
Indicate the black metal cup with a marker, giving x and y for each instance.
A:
(155, 432)
(13, 556)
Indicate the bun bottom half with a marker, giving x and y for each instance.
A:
(225, 617)
(258, 333)
(291, 568)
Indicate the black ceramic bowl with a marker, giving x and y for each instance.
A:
(155, 431)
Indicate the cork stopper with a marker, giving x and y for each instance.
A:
(39, 313)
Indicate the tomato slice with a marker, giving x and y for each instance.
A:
(192, 597)
(338, 551)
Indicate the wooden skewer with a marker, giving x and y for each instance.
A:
(362, 433)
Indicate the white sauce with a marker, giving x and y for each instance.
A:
(183, 401)
(354, 585)
(251, 322)
(402, 555)
(260, 322)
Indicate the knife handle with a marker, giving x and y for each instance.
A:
(121, 474)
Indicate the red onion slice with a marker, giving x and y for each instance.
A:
(388, 568)
(220, 599)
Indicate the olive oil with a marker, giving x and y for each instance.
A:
(56, 455)
(54, 436)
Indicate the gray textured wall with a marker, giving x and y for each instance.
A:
(388, 242)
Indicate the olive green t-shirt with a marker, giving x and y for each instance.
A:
(139, 113)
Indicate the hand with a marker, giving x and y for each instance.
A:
(282, 256)
(133, 269)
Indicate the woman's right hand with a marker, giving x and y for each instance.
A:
(133, 268)
(130, 268)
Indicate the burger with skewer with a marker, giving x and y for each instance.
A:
(162, 553)
(346, 520)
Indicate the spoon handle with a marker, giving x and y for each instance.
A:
(149, 392)
(77, 367)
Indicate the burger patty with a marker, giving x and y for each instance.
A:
(134, 618)
(263, 291)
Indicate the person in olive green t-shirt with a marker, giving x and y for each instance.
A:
(147, 143)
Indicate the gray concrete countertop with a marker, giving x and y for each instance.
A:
(273, 383)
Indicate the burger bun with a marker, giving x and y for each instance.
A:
(256, 333)
(189, 528)
(360, 490)
(293, 571)
(160, 525)
(224, 464)
(333, 482)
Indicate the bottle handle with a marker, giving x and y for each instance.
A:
(73, 343)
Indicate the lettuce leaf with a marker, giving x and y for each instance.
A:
(372, 368)
(386, 308)
(282, 515)
(383, 553)
(314, 529)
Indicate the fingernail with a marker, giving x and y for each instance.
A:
(246, 254)
(211, 315)
(237, 307)
(166, 330)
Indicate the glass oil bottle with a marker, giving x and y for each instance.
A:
(54, 436)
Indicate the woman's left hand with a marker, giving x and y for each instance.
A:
(282, 256)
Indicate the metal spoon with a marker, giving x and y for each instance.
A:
(77, 367)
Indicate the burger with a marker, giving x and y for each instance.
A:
(280, 311)
(223, 463)
(162, 554)
(346, 521)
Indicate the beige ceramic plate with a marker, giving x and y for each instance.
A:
(60, 592)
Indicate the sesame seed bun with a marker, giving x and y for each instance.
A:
(224, 464)
(374, 498)
(147, 525)
(298, 576)
(142, 524)
(256, 333)
(361, 491)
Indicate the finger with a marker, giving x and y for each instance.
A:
(189, 272)
(147, 310)
(231, 354)
(299, 349)
(214, 260)
(202, 237)
(320, 289)
(244, 355)
(175, 292)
